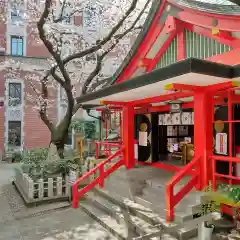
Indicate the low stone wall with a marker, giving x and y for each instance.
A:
(42, 189)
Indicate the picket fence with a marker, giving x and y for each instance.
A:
(42, 189)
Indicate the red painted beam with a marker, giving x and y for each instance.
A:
(180, 45)
(183, 87)
(210, 88)
(111, 108)
(162, 50)
(204, 20)
(207, 33)
(221, 86)
(164, 108)
(187, 105)
(115, 103)
(146, 62)
(162, 98)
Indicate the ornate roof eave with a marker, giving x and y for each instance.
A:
(235, 1)
(231, 9)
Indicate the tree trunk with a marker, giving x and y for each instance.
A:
(53, 154)
(58, 137)
(60, 147)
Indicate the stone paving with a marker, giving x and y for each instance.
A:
(64, 224)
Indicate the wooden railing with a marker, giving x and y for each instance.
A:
(229, 176)
(108, 147)
(103, 173)
(173, 199)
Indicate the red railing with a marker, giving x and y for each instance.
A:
(215, 175)
(103, 173)
(108, 145)
(173, 199)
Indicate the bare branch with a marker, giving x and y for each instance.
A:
(67, 83)
(62, 17)
(106, 39)
(98, 66)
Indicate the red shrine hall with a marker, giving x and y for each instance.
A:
(175, 100)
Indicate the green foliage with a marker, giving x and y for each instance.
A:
(85, 128)
(210, 205)
(234, 194)
(17, 156)
(35, 164)
(34, 156)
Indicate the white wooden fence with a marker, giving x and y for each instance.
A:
(33, 191)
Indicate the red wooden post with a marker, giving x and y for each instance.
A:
(128, 136)
(120, 124)
(74, 195)
(203, 134)
(169, 204)
(101, 175)
(230, 142)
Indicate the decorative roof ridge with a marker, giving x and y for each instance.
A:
(231, 9)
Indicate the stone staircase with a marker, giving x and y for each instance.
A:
(131, 208)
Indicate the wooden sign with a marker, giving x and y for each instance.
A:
(221, 143)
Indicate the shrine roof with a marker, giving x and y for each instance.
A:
(190, 71)
(226, 7)
(212, 6)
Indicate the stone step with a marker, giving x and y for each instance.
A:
(183, 231)
(140, 226)
(154, 198)
(184, 211)
(109, 223)
(135, 208)
(104, 205)
(189, 229)
(144, 213)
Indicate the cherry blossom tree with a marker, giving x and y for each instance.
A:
(77, 55)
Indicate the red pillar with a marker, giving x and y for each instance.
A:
(128, 136)
(203, 134)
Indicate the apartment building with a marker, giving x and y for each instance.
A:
(20, 125)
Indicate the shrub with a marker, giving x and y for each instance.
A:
(16, 157)
(35, 165)
(34, 156)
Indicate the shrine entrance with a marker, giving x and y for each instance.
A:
(146, 108)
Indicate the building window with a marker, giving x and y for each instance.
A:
(14, 94)
(14, 133)
(90, 17)
(16, 16)
(17, 45)
(66, 11)
(66, 19)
